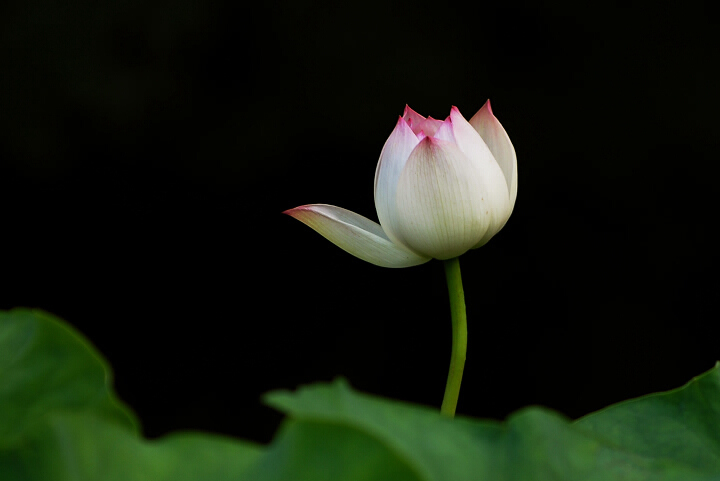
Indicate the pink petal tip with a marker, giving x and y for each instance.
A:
(411, 117)
(487, 104)
(295, 210)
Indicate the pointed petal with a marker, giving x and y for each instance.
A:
(413, 119)
(429, 126)
(495, 189)
(445, 131)
(355, 234)
(394, 154)
(443, 209)
(498, 141)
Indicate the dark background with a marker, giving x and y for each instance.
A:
(148, 148)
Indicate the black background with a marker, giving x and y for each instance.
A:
(148, 148)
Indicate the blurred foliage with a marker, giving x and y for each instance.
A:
(60, 420)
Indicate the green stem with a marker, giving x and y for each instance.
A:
(459, 336)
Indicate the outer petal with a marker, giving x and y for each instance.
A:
(443, 210)
(355, 234)
(498, 141)
(394, 154)
(494, 185)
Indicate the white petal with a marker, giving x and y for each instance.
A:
(498, 141)
(443, 210)
(494, 185)
(394, 154)
(355, 234)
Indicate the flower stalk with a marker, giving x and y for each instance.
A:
(459, 336)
